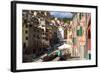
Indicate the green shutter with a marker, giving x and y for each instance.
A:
(77, 32)
(89, 56)
(80, 31)
(74, 41)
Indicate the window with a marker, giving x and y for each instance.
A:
(43, 33)
(37, 30)
(24, 45)
(43, 25)
(30, 25)
(38, 36)
(34, 35)
(26, 26)
(80, 16)
(89, 34)
(26, 38)
(43, 38)
(25, 21)
(26, 31)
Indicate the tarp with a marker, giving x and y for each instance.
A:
(64, 46)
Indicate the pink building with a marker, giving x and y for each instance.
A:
(81, 33)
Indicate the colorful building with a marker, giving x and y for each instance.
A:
(79, 34)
